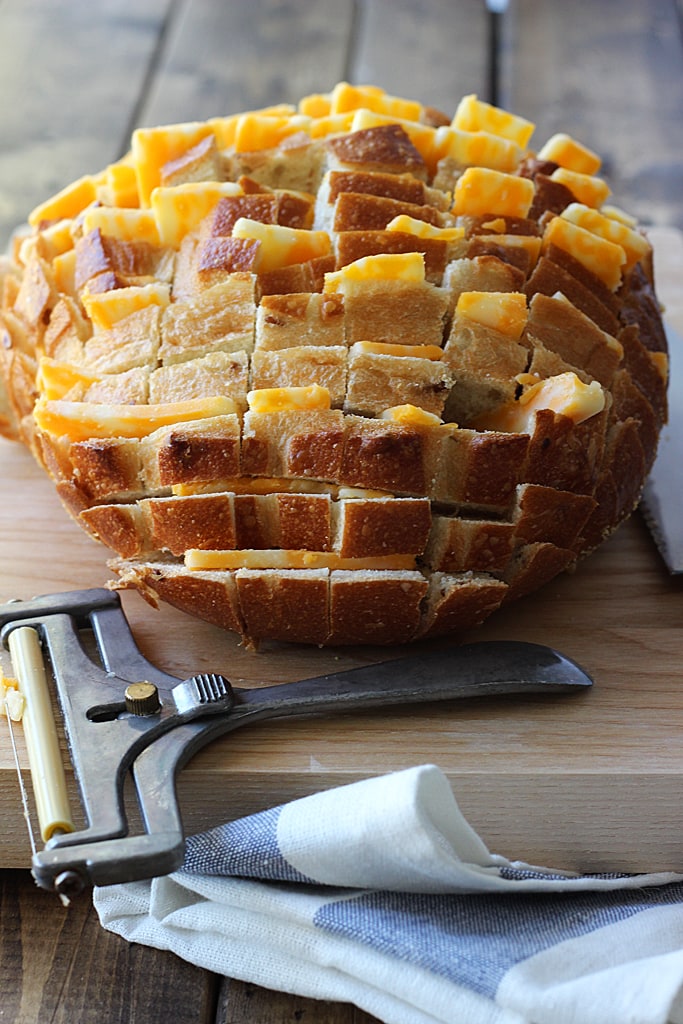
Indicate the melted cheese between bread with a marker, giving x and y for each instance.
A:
(80, 421)
(564, 393)
(277, 558)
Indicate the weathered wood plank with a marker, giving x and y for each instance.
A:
(224, 58)
(59, 965)
(70, 74)
(240, 1002)
(610, 74)
(431, 50)
(257, 52)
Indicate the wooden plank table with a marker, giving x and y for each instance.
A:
(76, 78)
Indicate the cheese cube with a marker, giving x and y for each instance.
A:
(567, 152)
(586, 188)
(262, 131)
(381, 348)
(345, 97)
(225, 128)
(406, 267)
(475, 149)
(128, 225)
(282, 246)
(55, 240)
(602, 257)
(179, 209)
(331, 124)
(107, 308)
(412, 415)
(54, 379)
(152, 148)
(616, 213)
(64, 271)
(282, 558)
(473, 115)
(120, 185)
(265, 400)
(316, 105)
(480, 190)
(564, 393)
(67, 204)
(632, 242)
(505, 312)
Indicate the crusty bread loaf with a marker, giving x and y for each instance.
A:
(350, 372)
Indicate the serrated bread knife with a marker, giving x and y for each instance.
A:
(124, 718)
(662, 500)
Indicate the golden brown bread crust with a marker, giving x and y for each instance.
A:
(209, 595)
(552, 276)
(481, 272)
(460, 601)
(193, 452)
(403, 188)
(362, 212)
(129, 263)
(564, 329)
(386, 149)
(349, 520)
(355, 245)
(291, 606)
(376, 607)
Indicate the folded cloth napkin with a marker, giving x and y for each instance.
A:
(381, 894)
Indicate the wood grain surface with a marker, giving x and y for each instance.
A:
(75, 78)
(612, 72)
(57, 965)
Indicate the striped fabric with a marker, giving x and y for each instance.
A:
(382, 895)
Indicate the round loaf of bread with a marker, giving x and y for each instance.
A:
(350, 372)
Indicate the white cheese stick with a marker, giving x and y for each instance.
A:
(42, 741)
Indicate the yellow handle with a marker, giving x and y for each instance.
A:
(42, 741)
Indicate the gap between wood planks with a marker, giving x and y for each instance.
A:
(495, 13)
(155, 61)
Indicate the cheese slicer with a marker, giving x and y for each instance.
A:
(126, 719)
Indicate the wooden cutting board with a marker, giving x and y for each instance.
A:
(592, 781)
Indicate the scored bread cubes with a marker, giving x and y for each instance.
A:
(348, 372)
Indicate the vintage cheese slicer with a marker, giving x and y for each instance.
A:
(124, 718)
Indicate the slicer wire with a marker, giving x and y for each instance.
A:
(22, 785)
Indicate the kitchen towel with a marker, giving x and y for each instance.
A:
(380, 894)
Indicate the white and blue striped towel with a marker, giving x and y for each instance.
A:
(380, 894)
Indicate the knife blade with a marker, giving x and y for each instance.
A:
(662, 499)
